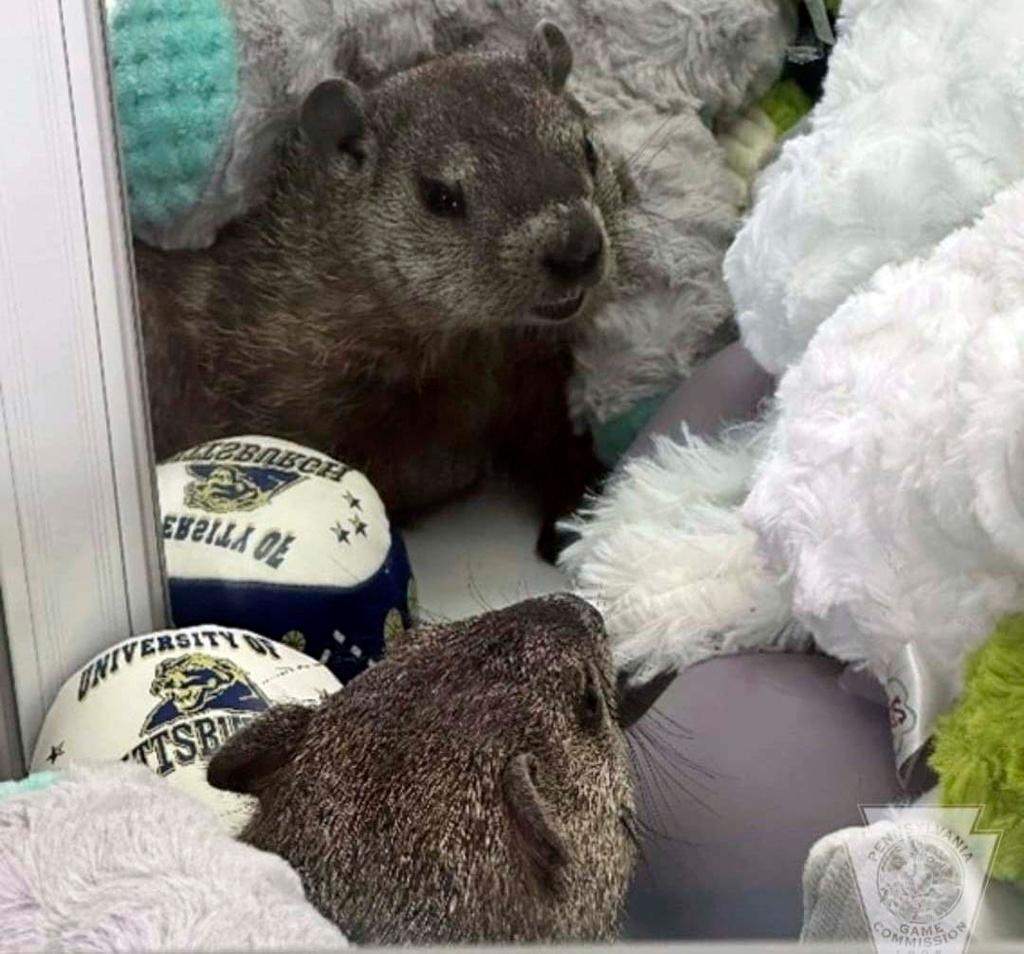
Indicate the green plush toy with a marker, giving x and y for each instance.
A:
(750, 138)
(979, 747)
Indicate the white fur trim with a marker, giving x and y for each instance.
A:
(892, 494)
(113, 859)
(665, 556)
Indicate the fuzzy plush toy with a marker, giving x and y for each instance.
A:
(114, 859)
(206, 88)
(920, 125)
(665, 555)
(888, 495)
(878, 507)
(751, 138)
(979, 757)
(204, 91)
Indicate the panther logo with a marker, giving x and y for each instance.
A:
(228, 488)
(196, 683)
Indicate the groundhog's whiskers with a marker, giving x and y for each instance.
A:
(478, 594)
(662, 773)
(649, 150)
(647, 823)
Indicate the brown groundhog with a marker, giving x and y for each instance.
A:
(407, 296)
(473, 787)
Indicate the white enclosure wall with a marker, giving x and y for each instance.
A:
(79, 560)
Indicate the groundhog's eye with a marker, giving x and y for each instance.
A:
(443, 199)
(591, 704)
(590, 152)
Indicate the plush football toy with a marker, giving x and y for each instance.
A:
(267, 535)
(169, 700)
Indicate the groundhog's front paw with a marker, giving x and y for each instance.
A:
(552, 540)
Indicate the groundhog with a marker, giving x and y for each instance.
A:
(407, 296)
(473, 787)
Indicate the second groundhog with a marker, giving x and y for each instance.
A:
(475, 787)
(407, 296)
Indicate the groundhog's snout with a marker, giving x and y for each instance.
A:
(561, 611)
(577, 255)
(574, 261)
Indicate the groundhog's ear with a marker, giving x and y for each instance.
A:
(539, 832)
(551, 52)
(245, 763)
(333, 119)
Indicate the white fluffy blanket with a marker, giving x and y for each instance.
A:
(893, 490)
(920, 125)
(665, 555)
(114, 859)
(888, 504)
(888, 497)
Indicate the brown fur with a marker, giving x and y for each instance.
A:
(473, 787)
(344, 315)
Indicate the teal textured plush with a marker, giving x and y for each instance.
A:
(175, 69)
(613, 438)
(38, 782)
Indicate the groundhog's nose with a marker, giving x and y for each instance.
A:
(560, 612)
(575, 258)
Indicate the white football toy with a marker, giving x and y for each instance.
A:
(270, 536)
(169, 700)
